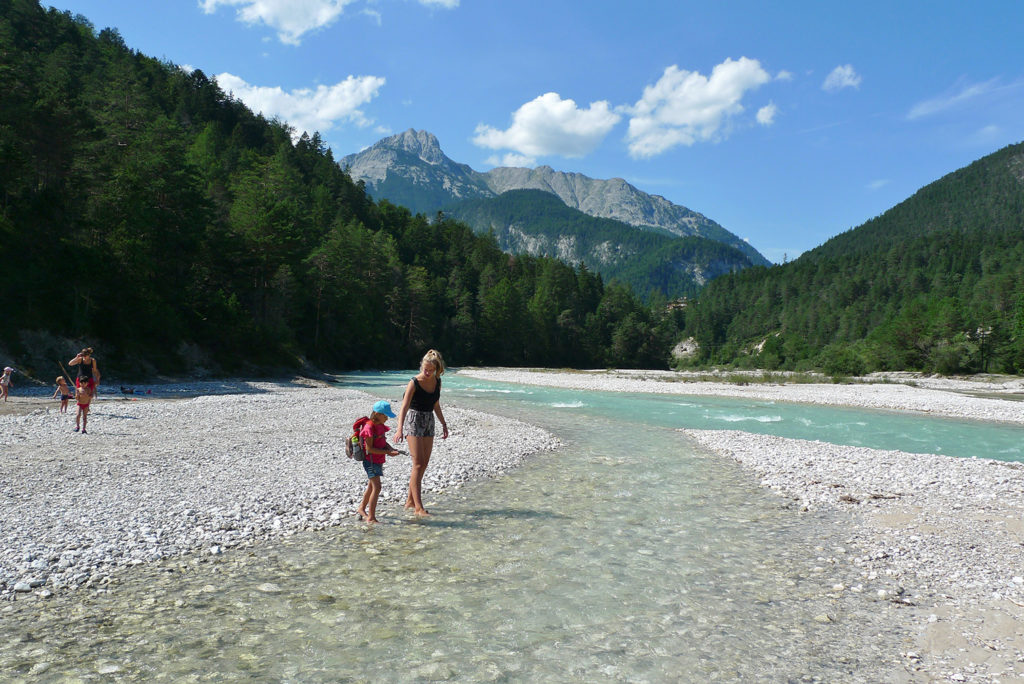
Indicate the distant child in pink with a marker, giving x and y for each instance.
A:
(5, 382)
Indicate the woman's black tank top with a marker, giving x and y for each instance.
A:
(423, 400)
(83, 367)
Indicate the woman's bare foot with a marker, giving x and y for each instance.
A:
(422, 511)
(361, 513)
(372, 520)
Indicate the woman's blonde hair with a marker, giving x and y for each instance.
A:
(434, 357)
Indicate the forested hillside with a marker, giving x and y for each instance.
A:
(648, 261)
(934, 284)
(145, 212)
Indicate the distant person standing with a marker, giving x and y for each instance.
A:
(63, 392)
(422, 401)
(84, 397)
(5, 382)
(88, 370)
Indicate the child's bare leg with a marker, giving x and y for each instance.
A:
(78, 419)
(85, 418)
(371, 505)
(366, 499)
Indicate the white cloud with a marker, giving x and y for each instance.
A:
(684, 107)
(784, 76)
(550, 125)
(512, 159)
(843, 76)
(292, 19)
(305, 109)
(878, 184)
(374, 16)
(964, 94)
(766, 114)
(990, 131)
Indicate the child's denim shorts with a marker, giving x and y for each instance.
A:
(373, 469)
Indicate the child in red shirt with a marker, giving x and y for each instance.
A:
(377, 451)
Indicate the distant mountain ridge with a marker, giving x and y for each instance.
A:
(537, 222)
(411, 170)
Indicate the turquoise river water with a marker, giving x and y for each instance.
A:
(655, 562)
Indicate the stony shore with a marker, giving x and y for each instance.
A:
(202, 468)
(943, 534)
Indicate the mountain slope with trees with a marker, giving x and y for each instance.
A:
(648, 261)
(934, 284)
(146, 212)
(410, 169)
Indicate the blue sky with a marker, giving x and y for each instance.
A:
(786, 122)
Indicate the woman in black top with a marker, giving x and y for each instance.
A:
(88, 370)
(422, 401)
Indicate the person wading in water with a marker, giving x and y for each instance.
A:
(422, 401)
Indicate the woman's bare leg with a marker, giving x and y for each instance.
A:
(419, 450)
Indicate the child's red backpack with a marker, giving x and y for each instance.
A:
(354, 447)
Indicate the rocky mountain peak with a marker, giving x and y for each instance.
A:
(411, 170)
(422, 144)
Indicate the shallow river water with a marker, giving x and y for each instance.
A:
(628, 555)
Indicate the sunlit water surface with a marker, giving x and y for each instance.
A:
(628, 555)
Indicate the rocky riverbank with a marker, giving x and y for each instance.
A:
(954, 398)
(942, 533)
(202, 468)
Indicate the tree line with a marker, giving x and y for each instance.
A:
(935, 284)
(144, 210)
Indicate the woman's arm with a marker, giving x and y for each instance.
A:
(440, 417)
(75, 361)
(406, 400)
(96, 371)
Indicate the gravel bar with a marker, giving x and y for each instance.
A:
(231, 465)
